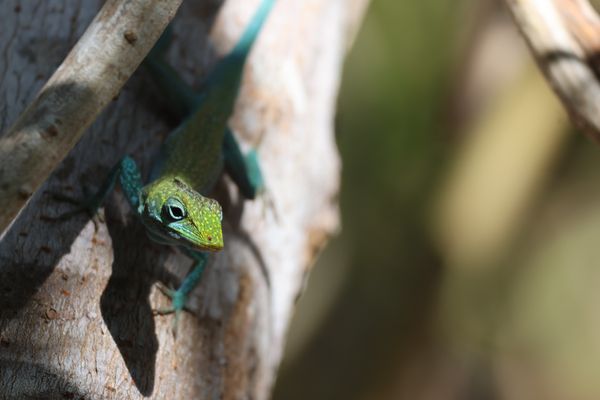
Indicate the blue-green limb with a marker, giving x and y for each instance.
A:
(129, 175)
(179, 297)
(244, 170)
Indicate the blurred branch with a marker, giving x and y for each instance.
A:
(564, 36)
(502, 165)
(91, 75)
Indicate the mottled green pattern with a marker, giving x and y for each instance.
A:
(193, 157)
(172, 206)
(194, 151)
(200, 225)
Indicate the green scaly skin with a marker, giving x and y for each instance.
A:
(173, 207)
(174, 213)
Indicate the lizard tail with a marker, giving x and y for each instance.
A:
(243, 46)
(227, 74)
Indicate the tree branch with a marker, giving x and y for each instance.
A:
(93, 73)
(564, 36)
(76, 302)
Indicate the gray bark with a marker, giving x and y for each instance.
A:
(76, 297)
(91, 75)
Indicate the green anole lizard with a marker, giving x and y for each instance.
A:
(172, 206)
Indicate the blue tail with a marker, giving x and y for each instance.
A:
(243, 46)
(227, 74)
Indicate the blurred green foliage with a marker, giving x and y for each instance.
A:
(389, 312)
(390, 134)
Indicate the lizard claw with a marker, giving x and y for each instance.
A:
(178, 300)
(268, 203)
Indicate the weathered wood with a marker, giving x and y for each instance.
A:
(76, 301)
(91, 75)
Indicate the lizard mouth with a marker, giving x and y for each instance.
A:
(205, 246)
(165, 235)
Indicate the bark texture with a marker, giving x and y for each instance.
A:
(76, 297)
(110, 50)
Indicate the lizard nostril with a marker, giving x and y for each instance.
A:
(209, 238)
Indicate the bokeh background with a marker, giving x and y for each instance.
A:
(468, 266)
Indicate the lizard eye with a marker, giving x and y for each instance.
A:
(174, 210)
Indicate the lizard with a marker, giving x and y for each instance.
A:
(173, 207)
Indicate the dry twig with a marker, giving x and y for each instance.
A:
(564, 36)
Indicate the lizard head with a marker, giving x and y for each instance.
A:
(174, 213)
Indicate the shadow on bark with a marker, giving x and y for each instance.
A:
(40, 384)
(125, 303)
(26, 257)
(39, 239)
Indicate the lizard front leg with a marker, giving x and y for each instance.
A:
(129, 176)
(179, 297)
(243, 169)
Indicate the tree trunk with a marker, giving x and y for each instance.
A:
(77, 296)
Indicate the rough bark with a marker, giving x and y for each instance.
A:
(110, 50)
(76, 297)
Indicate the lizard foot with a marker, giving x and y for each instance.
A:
(178, 300)
(269, 204)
